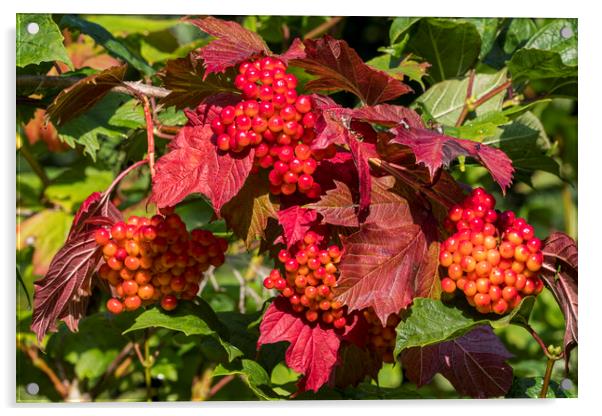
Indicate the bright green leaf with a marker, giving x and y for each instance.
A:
(560, 35)
(73, 186)
(530, 388)
(123, 25)
(519, 32)
(45, 45)
(488, 30)
(399, 26)
(451, 47)
(432, 321)
(254, 375)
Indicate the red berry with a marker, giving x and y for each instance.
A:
(132, 303)
(286, 154)
(340, 322)
(275, 123)
(309, 166)
(102, 236)
(228, 114)
(303, 104)
(266, 109)
(217, 126)
(305, 182)
(309, 120)
(115, 306)
(448, 285)
(118, 231)
(169, 302)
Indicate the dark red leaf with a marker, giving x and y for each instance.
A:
(338, 207)
(383, 267)
(332, 127)
(188, 83)
(355, 365)
(560, 273)
(339, 168)
(233, 44)
(474, 363)
(62, 293)
(295, 51)
(339, 67)
(361, 152)
(82, 95)
(388, 115)
(313, 348)
(295, 222)
(195, 165)
(95, 205)
(436, 150)
(210, 108)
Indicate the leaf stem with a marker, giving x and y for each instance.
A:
(219, 385)
(547, 377)
(471, 105)
(150, 136)
(124, 174)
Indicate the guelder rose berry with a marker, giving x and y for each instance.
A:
(491, 257)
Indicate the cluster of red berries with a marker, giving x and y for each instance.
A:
(274, 120)
(492, 257)
(309, 276)
(147, 260)
(381, 339)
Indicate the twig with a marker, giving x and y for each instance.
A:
(33, 162)
(219, 385)
(40, 364)
(323, 28)
(148, 363)
(471, 104)
(547, 377)
(164, 135)
(124, 174)
(468, 100)
(134, 88)
(242, 292)
(150, 136)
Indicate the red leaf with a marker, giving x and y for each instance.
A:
(560, 273)
(339, 67)
(295, 222)
(295, 51)
(63, 292)
(195, 165)
(435, 150)
(361, 152)
(96, 204)
(332, 127)
(338, 207)
(383, 267)
(210, 108)
(313, 348)
(233, 44)
(388, 115)
(339, 168)
(475, 364)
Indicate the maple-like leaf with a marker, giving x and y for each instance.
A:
(188, 83)
(205, 112)
(474, 363)
(295, 222)
(247, 214)
(361, 151)
(232, 45)
(339, 207)
(337, 67)
(436, 150)
(195, 165)
(338, 168)
(388, 115)
(62, 293)
(383, 267)
(295, 51)
(95, 205)
(560, 272)
(82, 95)
(313, 348)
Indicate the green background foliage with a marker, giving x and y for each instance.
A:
(211, 341)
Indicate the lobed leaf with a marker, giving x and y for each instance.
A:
(233, 44)
(432, 321)
(295, 222)
(248, 212)
(388, 115)
(313, 348)
(254, 376)
(81, 96)
(560, 273)
(189, 84)
(475, 364)
(337, 67)
(435, 150)
(46, 45)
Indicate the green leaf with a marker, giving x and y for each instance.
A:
(525, 142)
(530, 388)
(130, 115)
(254, 375)
(537, 64)
(414, 70)
(189, 318)
(444, 101)
(93, 362)
(44, 46)
(123, 25)
(73, 186)
(432, 321)
(519, 32)
(89, 129)
(22, 284)
(450, 46)
(488, 30)
(399, 26)
(110, 43)
(560, 35)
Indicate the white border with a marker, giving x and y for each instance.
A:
(590, 151)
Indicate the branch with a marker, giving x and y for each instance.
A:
(471, 105)
(323, 28)
(150, 137)
(40, 364)
(134, 88)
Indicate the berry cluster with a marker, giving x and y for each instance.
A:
(274, 120)
(147, 260)
(381, 339)
(492, 257)
(310, 274)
